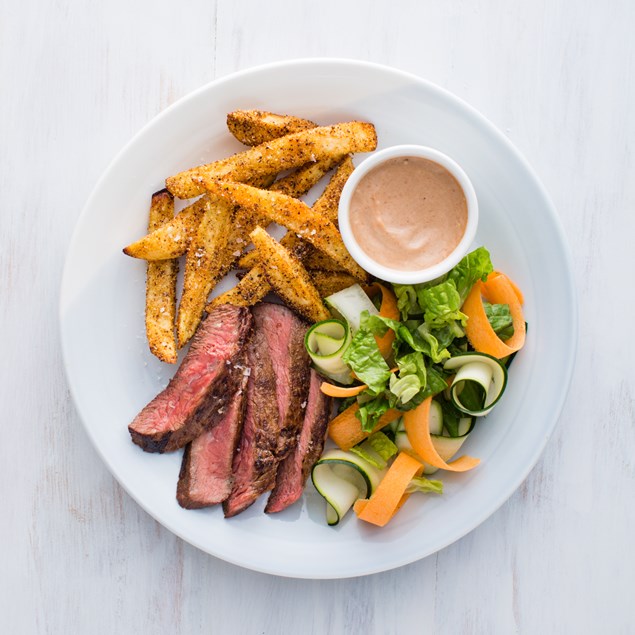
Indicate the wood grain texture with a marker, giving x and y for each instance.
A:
(77, 555)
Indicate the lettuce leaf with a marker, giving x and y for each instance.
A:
(382, 445)
(371, 409)
(377, 450)
(500, 319)
(424, 485)
(432, 323)
(406, 300)
(477, 265)
(365, 360)
(441, 304)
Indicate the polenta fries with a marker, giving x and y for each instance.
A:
(203, 267)
(288, 277)
(292, 214)
(240, 196)
(278, 155)
(161, 287)
(253, 127)
(171, 239)
(330, 282)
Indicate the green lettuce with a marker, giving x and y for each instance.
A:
(477, 265)
(431, 330)
(500, 319)
(441, 304)
(365, 360)
(406, 300)
(376, 450)
(382, 445)
(424, 485)
(371, 408)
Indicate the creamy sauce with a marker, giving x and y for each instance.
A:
(408, 213)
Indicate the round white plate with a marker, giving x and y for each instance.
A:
(112, 375)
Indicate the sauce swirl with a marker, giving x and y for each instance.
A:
(408, 213)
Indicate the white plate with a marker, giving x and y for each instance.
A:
(112, 375)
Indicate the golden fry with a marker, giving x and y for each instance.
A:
(171, 239)
(313, 172)
(280, 154)
(319, 261)
(329, 282)
(292, 214)
(207, 260)
(288, 277)
(253, 127)
(295, 184)
(249, 291)
(328, 204)
(161, 287)
(254, 285)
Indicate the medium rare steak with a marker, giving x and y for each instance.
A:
(206, 471)
(294, 470)
(255, 461)
(284, 334)
(181, 412)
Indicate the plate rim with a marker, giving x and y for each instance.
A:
(568, 362)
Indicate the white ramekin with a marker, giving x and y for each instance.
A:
(365, 260)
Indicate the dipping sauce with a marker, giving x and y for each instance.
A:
(408, 213)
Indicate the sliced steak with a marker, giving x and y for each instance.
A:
(284, 334)
(181, 412)
(206, 471)
(255, 461)
(294, 470)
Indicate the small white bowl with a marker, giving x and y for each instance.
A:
(397, 275)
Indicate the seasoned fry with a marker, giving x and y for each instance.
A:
(288, 277)
(328, 204)
(161, 287)
(315, 259)
(171, 239)
(295, 184)
(205, 263)
(305, 177)
(254, 285)
(218, 242)
(253, 127)
(280, 154)
(292, 214)
(329, 282)
(250, 290)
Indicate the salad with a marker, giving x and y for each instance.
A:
(414, 367)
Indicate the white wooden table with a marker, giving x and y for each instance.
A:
(79, 79)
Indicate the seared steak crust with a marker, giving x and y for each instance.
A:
(181, 412)
(294, 469)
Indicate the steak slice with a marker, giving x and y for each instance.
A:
(179, 414)
(206, 471)
(284, 334)
(255, 461)
(294, 470)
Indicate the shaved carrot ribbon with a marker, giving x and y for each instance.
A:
(387, 309)
(346, 428)
(498, 290)
(337, 391)
(514, 286)
(417, 424)
(390, 494)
